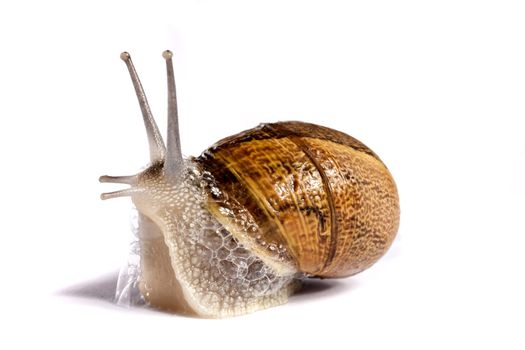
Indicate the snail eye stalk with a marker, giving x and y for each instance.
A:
(157, 149)
(174, 162)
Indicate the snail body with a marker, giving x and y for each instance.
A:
(235, 230)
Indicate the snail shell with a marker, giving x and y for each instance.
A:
(319, 192)
(234, 230)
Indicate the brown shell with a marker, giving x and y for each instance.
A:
(320, 193)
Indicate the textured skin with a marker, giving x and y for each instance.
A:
(322, 200)
(158, 282)
(190, 263)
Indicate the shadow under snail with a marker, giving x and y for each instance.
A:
(236, 229)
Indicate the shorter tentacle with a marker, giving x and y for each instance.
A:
(120, 193)
(129, 180)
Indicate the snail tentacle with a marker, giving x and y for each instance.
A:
(156, 144)
(174, 162)
(128, 192)
(128, 180)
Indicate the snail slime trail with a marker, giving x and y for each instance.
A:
(235, 230)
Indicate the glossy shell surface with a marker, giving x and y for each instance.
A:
(323, 201)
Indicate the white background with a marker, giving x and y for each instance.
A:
(437, 89)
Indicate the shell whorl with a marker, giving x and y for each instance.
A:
(320, 193)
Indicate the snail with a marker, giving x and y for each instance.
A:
(236, 229)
